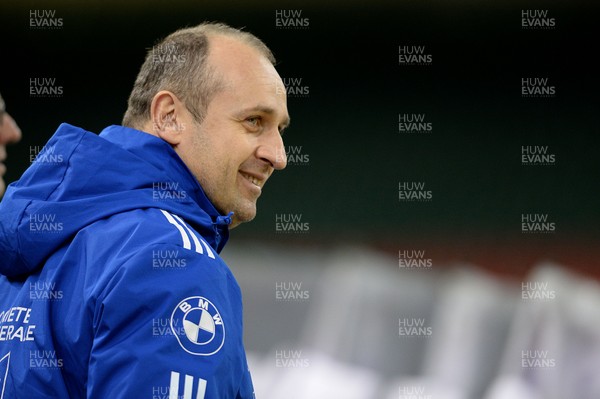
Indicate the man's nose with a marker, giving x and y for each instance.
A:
(272, 150)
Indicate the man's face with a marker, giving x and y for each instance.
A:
(9, 133)
(238, 145)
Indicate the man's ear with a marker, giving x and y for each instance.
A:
(166, 112)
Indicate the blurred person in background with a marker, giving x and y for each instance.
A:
(9, 133)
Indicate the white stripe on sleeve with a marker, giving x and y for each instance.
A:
(186, 241)
(191, 233)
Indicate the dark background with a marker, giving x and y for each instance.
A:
(348, 124)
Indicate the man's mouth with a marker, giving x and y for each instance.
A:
(253, 179)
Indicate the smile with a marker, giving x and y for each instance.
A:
(254, 180)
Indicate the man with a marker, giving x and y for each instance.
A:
(113, 286)
(9, 133)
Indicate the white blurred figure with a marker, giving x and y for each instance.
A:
(470, 327)
(419, 388)
(349, 343)
(554, 348)
(319, 376)
(363, 295)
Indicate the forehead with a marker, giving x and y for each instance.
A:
(248, 76)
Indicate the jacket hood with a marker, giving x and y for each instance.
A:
(79, 178)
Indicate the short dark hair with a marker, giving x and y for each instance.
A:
(178, 63)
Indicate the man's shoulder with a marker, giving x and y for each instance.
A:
(131, 231)
(145, 243)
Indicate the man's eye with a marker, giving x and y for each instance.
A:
(254, 121)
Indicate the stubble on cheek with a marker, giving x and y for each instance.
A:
(243, 203)
(220, 179)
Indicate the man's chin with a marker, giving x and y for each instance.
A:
(242, 216)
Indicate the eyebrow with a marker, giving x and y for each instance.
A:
(267, 110)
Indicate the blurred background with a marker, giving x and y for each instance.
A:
(436, 233)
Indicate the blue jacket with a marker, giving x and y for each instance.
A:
(112, 285)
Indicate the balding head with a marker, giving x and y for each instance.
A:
(179, 64)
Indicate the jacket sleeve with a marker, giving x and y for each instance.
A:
(168, 324)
